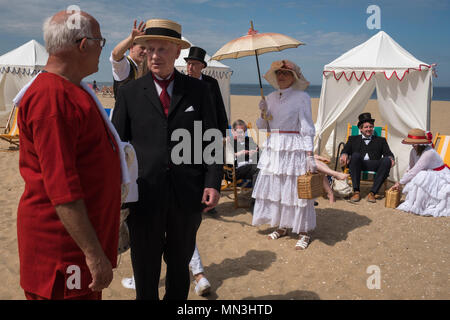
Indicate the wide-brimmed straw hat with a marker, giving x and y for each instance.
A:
(300, 82)
(418, 136)
(162, 29)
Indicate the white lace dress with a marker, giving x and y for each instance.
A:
(282, 160)
(427, 191)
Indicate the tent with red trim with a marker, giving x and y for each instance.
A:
(17, 68)
(404, 91)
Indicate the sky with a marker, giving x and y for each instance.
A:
(328, 28)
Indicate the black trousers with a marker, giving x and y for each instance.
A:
(357, 164)
(169, 233)
(248, 171)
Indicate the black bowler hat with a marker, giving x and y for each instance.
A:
(196, 53)
(365, 117)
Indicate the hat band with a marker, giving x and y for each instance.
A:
(155, 31)
(417, 137)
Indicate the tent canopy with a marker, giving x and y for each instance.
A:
(17, 68)
(404, 91)
(215, 69)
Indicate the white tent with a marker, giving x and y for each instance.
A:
(404, 91)
(215, 69)
(17, 68)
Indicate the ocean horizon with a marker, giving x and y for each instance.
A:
(249, 89)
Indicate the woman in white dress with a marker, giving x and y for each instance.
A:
(287, 153)
(427, 180)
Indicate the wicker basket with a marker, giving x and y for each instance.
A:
(310, 185)
(392, 198)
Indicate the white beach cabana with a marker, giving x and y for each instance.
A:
(17, 68)
(215, 69)
(404, 91)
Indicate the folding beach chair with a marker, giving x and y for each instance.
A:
(442, 146)
(353, 130)
(229, 182)
(11, 133)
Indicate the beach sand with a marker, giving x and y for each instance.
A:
(412, 252)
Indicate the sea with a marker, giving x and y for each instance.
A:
(439, 93)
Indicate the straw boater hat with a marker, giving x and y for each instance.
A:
(418, 136)
(300, 82)
(162, 29)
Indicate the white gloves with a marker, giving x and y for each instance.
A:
(311, 164)
(263, 105)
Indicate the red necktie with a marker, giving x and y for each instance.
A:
(164, 96)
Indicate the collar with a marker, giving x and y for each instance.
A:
(159, 78)
(133, 61)
(364, 137)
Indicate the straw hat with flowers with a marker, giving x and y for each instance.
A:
(300, 82)
(418, 136)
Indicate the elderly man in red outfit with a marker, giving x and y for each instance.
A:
(68, 215)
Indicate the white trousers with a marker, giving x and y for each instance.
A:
(196, 262)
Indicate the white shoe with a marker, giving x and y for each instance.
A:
(202, 287)
(129, 283)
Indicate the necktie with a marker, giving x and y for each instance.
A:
(164, 96)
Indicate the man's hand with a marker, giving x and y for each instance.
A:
(101, 271)
(392, 162)
(210, 198)
(139, 31)
(343, 160)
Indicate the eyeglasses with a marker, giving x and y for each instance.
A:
(283, 72)
(102, 40)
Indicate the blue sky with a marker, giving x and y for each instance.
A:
(329, 28)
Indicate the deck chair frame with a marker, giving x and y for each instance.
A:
(11, 132)
(442, 147)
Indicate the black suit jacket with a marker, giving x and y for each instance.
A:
(377, 147)
(139, 118)
(222, 119)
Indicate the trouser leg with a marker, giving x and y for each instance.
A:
(355, 167)
(382, 168)
(196, 262)
(180, 244)
(147, 242)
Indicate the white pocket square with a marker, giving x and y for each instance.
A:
(191, 108)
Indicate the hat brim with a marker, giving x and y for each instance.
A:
(415, 141)
(372, 121)
(271, 77)
(144, 38)
(197, 59)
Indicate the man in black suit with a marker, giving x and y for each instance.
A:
(195, 64)
(367, 152)
(175, 184)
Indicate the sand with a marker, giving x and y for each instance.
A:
(412, 253)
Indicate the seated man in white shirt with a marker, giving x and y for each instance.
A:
(126, 68)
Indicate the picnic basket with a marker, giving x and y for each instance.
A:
(310, 185)
(392, 198)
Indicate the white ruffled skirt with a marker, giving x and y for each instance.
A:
(282, 160)
(428, 194)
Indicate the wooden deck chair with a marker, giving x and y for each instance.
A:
(442, 146)
(353, 130)
(11, 133)
(230, 183)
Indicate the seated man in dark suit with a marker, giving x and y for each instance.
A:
(367, 152)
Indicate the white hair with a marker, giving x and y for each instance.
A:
(63, 34)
